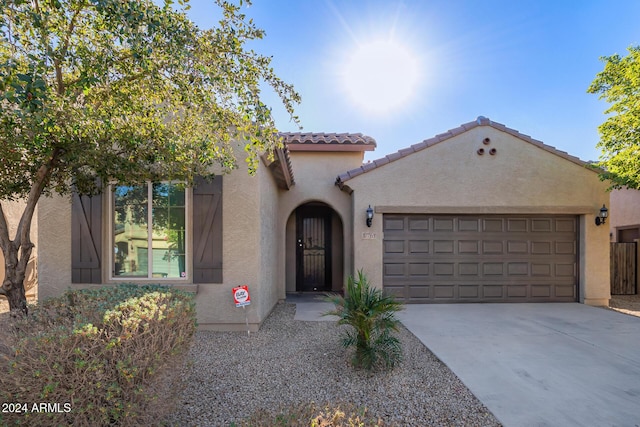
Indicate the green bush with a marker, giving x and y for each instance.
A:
(107, 356)
(371, 315)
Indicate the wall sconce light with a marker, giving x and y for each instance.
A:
(602, 215)
(369, 216)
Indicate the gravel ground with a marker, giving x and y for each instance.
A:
(290, 362)
(229, 376)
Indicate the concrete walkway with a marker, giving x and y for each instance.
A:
(539, 364)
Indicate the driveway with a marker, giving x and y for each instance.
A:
(539, 364)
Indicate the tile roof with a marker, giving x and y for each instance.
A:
(306, 141)
(279, 163)
(481, 121)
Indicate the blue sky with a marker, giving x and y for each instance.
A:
(525, 64)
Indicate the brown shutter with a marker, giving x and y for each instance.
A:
(207, 231)
(86, 239)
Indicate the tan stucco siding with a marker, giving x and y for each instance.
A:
(270, 276)
(315, 175)
(450, 177)
(54, 248)
(241, 257)
(244, 231)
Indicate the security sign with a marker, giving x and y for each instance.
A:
(241, 296)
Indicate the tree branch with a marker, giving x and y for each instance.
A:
(65, 47)
(4, 231)
(39, 184)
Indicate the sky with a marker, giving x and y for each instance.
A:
(405, 71)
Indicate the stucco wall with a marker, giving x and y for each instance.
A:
(450, 177)
(315, 174)
(54, 248)
(241, 257)
(624, 210)
(270, 231)
(250, 220)
(13, 212)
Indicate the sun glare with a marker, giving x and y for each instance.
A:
(381, 76)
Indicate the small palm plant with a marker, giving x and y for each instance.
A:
(371, 315)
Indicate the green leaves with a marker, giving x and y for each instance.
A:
(371, 315)
(128, 91)
(619, 85)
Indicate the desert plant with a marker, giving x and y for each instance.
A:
(108, 356)
(371, 317)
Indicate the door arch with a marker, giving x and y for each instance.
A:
(315, 249)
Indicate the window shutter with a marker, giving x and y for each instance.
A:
(86, 239)
(207, 231)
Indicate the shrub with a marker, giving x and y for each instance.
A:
(313, 415)
(108, 356)
(371, 315)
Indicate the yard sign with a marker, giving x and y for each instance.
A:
(241, 296)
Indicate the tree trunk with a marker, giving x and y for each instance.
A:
(13, 284)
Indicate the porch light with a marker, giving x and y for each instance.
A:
(602, 215)
(369, 216)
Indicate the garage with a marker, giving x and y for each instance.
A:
(480, 258)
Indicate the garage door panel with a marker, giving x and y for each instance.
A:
(492, 292)
(443, 292)
(566, 270)
(419, 246)
(443, 246)
(492, 269)
(568, 248)
(518, 268)
(468, 268)
(444, 258)
(541, 248)
(394, 246)
(392, 269)
(394, 224)
(419, 224)
(515, 225)
(517, 247)
(565, 291)
(495, 225)
(418, 292)
(417, 269)
(541, 291)
(468, 246)
(468, 224)
(538, 269)
(492, 247)
(542, 225)
(515, 291)
(443, 224)
(469, 291)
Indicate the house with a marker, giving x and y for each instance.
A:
(625, 217)
(480, 213)
(624, 227)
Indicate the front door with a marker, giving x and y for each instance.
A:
(313, 249)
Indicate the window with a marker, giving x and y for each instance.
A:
(148, 231)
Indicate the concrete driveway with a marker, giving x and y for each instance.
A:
(539, 364)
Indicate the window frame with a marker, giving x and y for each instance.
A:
(110, 211)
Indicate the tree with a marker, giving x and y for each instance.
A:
(619, 85)
(95, 91)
